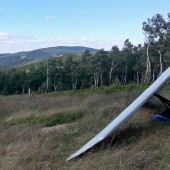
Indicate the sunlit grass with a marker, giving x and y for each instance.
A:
(140, 143)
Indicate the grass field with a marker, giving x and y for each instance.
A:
(41, 131)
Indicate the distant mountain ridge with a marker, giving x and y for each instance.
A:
(20, 58)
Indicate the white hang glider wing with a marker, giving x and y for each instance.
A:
(126, 114)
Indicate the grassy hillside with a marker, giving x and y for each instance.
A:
(22, 58)
(41, 131)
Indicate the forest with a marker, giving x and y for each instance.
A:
(141, 64)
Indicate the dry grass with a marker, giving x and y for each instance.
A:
(139, 144)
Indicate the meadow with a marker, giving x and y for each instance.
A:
(41, 130)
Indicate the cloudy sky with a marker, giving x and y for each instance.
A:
(32, 24)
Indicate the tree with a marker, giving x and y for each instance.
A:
(160, 29)
(67, 72)
(127, 51)
(167, 44)
(101, 68)
(86, 68)
(156, 31)
(114, 57)
(149, 36)
(137, 52)
(85, 56)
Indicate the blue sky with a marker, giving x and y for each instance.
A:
(31, 24)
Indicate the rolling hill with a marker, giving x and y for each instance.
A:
(20, 58)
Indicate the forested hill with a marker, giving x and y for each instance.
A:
(20, 58)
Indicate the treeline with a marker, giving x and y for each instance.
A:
(131, 64)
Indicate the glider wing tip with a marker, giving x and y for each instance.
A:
(71, 157)
(68, 159)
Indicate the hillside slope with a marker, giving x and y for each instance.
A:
(20, 58)
(45, 129)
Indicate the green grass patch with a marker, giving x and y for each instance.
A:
(65, 118)
(99, 90)
(47, 121)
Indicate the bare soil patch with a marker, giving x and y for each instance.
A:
(56, 128)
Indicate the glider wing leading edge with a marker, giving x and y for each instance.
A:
(126, 114)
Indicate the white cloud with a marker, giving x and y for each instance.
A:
(99, 44)
(48, 17)
(84, 39)
(4, 36)
(15, 43)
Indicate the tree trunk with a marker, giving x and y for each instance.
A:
(160, 62)
(153, 75)
(96, 79)
(101, 80)
(55, 87)
(29, 91)
(111, 71)
(147, 75)
(137, 77)
(74, 84)
(23, 90)
(125, 80)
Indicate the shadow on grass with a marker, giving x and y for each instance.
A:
(127, 136)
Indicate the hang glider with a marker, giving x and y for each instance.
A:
(126, 114)
(165, 115)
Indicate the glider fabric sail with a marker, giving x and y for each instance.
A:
(126, 114)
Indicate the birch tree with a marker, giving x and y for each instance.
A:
(114, 55)
(149, 36)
